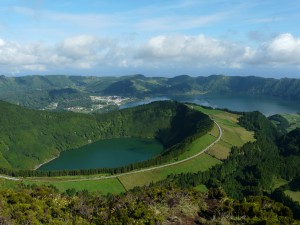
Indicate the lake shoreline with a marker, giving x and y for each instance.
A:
(39, 165)
(102, 154)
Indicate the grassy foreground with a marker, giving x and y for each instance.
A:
(233, 135)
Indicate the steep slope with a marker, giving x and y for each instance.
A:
(29, 137)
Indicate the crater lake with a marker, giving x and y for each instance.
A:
(108, 153)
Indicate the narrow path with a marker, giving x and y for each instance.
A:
(9, 178)
(137, 171)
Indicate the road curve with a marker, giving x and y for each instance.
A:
(137, 171)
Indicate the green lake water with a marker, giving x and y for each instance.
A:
(106, 153)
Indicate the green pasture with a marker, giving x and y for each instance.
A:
(295, 195)
(201, 163)
(293, 119)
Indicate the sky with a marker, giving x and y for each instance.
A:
(154, 38)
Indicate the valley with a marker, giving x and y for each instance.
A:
(88, 94)
(193, 160)
(204, 147)
(174, 112)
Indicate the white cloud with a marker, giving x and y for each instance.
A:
(2, 42)
(196, 51)
(285, 45)
(78, 47)
(283, 50)
(174, 51)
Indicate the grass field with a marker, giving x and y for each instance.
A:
(220, 150)
(197, 145)
(201, 163)
(277, 182)
(201, 188)
(7, 184)
(293, 119)
(233, 134)
(295, 195)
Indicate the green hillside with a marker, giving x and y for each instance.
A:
(42, 92)
(286, 122)
(29, 137)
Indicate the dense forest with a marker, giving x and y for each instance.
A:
(147, 205)
(252, 169)
(29, 137)
(40, 91)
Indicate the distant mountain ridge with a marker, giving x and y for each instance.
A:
(37, 91)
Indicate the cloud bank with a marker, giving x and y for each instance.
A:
(85, 52)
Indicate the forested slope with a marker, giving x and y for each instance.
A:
(29, 137)
(253, 168)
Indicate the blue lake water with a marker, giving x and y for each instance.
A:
(268, 106)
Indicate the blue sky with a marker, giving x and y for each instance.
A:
(155, 38)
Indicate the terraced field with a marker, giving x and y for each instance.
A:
(233, 133)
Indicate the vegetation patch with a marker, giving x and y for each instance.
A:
(102, 187)
(8, 184)
(220, 150)
(149, 205)
(286, 122)
(295, 195)
(293, 119)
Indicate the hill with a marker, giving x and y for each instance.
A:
(29, 137)
(41, 92)
(286, 122)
